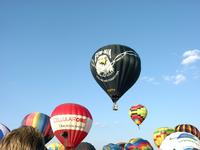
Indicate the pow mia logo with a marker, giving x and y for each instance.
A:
(104, 64)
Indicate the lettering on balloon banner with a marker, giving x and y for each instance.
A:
(188, 142)
(71, 122)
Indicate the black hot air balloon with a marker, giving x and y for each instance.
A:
(85, 146)
(115, 68)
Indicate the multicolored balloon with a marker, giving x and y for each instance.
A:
(160, 134)
(138, 143)
(3, 130)
(138, 113)
(180, 141)
(112, 146)
(116, 68)
(85, 146)
(188, 128)
(55, 146)
(121, 144)
(41, 122)
(71, 123)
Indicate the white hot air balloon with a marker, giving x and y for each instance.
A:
(180, 141)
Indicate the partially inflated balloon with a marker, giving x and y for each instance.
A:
(71, 123)
(160, 134)
(41, 122)
(116, 68)
(85, 146)
(55, 146)
(138, 113)
(111, 146)
(138, 144)
(121, 144)
(3, 130)
(180, 141)
(188, 128)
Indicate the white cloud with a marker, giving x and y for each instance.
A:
(98, 124)
(116, 122)
(177, 79)
(149, 79)
(190, 56)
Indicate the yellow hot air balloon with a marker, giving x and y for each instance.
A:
(55, 146)
(138, 113)
(160, 134)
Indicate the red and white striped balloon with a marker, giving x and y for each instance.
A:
(71, 123)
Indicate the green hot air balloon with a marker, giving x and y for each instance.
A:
(116, 68)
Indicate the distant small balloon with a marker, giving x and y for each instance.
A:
(3, 130)
(138, 113)
(112, 146)
(121, 144)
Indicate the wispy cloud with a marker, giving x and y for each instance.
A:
(188, 67)
(149, 79)
(177, 79)
(116, 122)
(98, 124)
(105, 125)
(190, 57)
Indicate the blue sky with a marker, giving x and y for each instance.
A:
(46, 48)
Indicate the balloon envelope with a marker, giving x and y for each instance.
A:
(41, 122)
(112, 146)
(180, 141)
(116, 68)
(138, 113)
(85, 146)
(55, 146)
(138, 144)
(160, 134)
(188, 128)
(71, 123)
(3, 130)
(121, 144)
